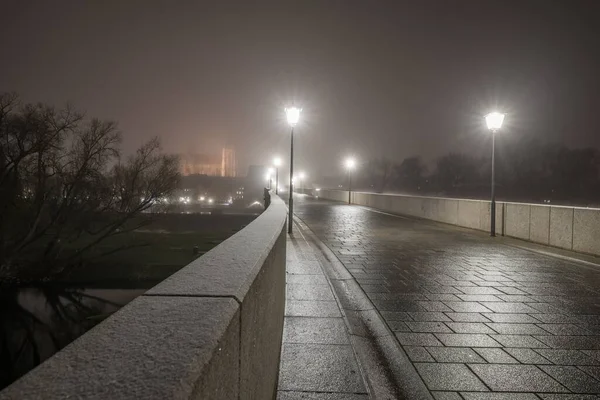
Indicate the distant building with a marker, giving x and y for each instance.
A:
(228, 167)
(209, 164)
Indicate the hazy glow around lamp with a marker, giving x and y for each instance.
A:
(494, 121)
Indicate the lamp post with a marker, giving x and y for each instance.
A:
(350, 164)
(270, 177)
(293, 115)
(277, 163)
(494, 122)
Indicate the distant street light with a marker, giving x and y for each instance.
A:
(293, 116)
(350, 164)
(301, 177)
(277, 163)
(494, 122)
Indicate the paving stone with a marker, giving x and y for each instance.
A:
(395, 316)
(468, 317)
(466, 340)
(480, 290)
(527, 356)
(516, 378)
(454, 355)
(498, 396)
(593, 371)
(574, 379)
(565, 329)
(433, 306)
(511, 318)
(296, 395)
(299, 291)
(546, 396)
(332, 369)
(510, 290)
(417, 339)
(567, 357)
(429, 316)
(557, 319)
(505, 307)
(478, 297)
(398, 326)
(446, 396)
(308, 308)
(495, 356)
(304, 267)
(469, 327)
(307, 279)
(418, 354)
(397, 305)
(428, 327)
(519, 341)
(572, 342)
(315, 330)
(442, 297)
(438, 376)
(464, 306)
(516, 329)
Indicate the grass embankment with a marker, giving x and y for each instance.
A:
(154, 253)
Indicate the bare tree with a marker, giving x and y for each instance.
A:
(64, 188)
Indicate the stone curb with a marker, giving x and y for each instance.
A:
(385, 366)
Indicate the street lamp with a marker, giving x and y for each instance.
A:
(494, 122)
(350, 164)
(277, 163)
(293, 115)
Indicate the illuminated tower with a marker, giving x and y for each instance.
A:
(228, 167)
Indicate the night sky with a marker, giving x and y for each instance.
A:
(374, 78)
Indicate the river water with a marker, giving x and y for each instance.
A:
(36, 322)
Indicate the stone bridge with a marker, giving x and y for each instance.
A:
(390, 297)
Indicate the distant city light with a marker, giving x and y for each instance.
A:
(293, 115)
(494, 121)
(210, 201)
(318, 189)
(202, 198)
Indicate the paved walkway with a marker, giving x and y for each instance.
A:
(317, 359)
(473, 315)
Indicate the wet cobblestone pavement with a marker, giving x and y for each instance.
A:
(473, 315)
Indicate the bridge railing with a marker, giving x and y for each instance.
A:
(571, 228)
(213, 330)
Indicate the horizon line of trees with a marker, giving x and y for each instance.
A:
(526, 170)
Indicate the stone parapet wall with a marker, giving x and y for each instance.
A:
(213, 330)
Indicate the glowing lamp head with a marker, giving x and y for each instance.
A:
(494, 121)
(350, 163)
(270, 171)
(293, 115)
(277, 161)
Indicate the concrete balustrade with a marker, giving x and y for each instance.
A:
(570, 228)
(213, 330)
